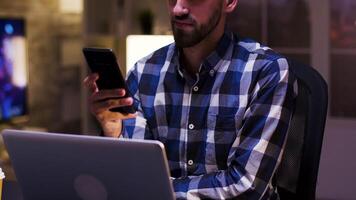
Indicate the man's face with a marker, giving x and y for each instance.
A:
(193, 20)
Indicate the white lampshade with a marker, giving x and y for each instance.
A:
(139, 46)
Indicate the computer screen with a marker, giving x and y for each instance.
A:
(13, 69)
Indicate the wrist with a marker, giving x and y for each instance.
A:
(112, 128)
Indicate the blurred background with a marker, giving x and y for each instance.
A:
(42, 67)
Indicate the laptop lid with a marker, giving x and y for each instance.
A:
(58, 166)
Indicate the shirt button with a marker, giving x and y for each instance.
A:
(191, 126)
(196, 88)
(212, 73)
(190, 162)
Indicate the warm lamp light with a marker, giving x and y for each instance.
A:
(139, 46)
(71, 6)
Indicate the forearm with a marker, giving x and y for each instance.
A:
(225, 184)
(249, 172)
(248, 175)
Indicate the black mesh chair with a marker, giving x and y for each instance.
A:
(297, 175)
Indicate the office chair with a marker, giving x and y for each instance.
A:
(298, 172)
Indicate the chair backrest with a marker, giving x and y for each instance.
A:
(297, 175)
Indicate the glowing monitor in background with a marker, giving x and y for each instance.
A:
(13, 69)
(139, 46)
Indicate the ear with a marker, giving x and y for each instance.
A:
(230, 5)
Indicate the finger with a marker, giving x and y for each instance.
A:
(90, 82)
(91, 78)
(107, 94)
(92, 87)
(129, 115)
(102, 106)
(120, 102)
(115, 116)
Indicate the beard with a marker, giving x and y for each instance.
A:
(185, 39)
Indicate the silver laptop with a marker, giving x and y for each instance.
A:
(58, 166)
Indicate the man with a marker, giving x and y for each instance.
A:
(221, 105)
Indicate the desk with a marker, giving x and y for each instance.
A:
(11, 191)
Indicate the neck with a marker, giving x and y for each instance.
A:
(192, 57)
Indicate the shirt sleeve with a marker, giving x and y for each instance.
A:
(136, 128)
(257, 150)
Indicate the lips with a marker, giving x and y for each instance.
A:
(182, 24)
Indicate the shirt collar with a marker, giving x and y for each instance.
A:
(221, 52)
(210, 62)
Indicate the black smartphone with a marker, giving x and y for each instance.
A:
(103, 61)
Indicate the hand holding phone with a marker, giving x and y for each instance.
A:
(103, 62)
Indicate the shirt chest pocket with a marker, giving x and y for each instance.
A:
(224, 127)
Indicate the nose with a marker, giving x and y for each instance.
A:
(180, 8)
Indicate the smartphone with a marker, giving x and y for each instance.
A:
(103, 61)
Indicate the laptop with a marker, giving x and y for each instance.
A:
(60, 166)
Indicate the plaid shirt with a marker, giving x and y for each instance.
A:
(224, 129)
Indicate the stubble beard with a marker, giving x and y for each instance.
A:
(185, 39)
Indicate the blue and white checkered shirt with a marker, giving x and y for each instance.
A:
(224, 129)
